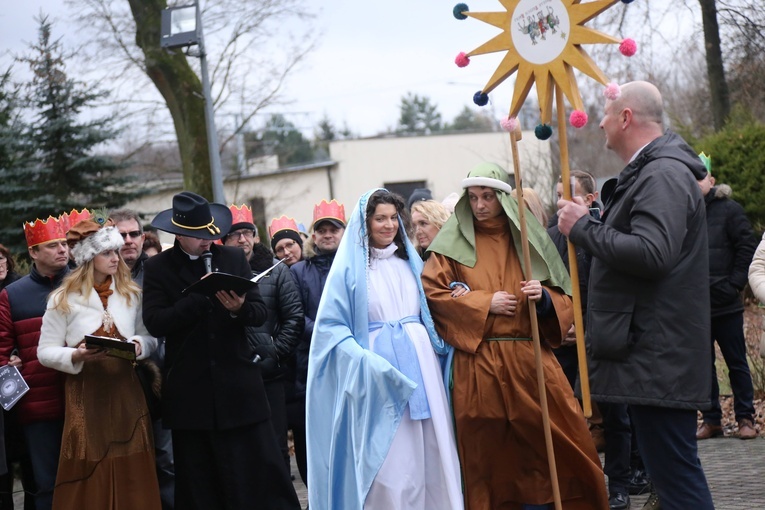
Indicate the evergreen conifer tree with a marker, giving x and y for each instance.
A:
(14, 163)
(58, 168)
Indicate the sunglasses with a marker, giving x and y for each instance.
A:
(135, 234)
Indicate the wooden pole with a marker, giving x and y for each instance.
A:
(515, 135)
(565, 173)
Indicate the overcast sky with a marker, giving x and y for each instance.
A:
(370, 54)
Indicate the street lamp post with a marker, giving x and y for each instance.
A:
(182, 27)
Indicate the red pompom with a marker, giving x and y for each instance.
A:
(628, 47)
(462, 60)
(578, 119)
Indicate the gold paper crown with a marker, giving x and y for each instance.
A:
(328, 211)
(43, 231)
(282, 223)
(68, 220)
(241, 214)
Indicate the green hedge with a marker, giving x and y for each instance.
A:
(738, 159)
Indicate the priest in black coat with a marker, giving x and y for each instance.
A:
(213, 400)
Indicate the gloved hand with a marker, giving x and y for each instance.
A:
(268, 361)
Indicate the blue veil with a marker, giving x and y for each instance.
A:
(355, 399)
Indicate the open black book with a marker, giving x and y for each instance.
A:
(213, 282)
(112, 346)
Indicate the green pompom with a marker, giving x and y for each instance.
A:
(543, 131)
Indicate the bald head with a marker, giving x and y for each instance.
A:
(634, 119)
(644, 99)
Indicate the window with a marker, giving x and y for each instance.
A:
(405, 189)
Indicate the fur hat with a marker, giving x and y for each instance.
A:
(88, 238)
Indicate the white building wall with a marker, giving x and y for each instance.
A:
(442, 161)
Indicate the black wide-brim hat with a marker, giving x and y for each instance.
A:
(193, 216)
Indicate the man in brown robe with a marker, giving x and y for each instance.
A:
(495, 396)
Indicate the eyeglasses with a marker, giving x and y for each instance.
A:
(135, 234)
(285, 247)
(246, 233)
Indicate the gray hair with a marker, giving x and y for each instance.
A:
(126, 214)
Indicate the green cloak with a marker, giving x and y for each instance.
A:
(456, 239)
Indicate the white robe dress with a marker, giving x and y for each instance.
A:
(421, 470)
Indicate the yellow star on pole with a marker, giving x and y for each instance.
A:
(543, 44)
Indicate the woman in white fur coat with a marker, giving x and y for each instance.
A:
(757, 272)
(107, 452)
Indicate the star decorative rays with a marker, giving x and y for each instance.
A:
(542, 41)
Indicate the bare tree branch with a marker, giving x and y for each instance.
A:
(246, 51)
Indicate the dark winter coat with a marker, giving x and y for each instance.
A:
(278, 337)
(210, 380)
(137, 271)
(648, 323)
(22, 306)
(583, 259)
(731, 246)
(310, 276)
(565, 353)
(10, 277)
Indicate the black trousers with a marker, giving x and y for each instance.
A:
(275, 394)
(234, 469)
(618, 435)
(667, 441)
(16, 451)
(296, 422)
(163, 459)
(728, 331)
(569, 362)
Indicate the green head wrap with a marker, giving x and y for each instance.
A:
(456, 239)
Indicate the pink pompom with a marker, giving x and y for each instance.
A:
(628, 47)
(613, 91)
(509, 124)
(462, 60)
(578, 119)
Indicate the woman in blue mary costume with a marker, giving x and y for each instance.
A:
(380, 432)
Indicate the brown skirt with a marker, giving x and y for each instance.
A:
(107, 450)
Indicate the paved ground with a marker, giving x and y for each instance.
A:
(735, 471)
(299, 487)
